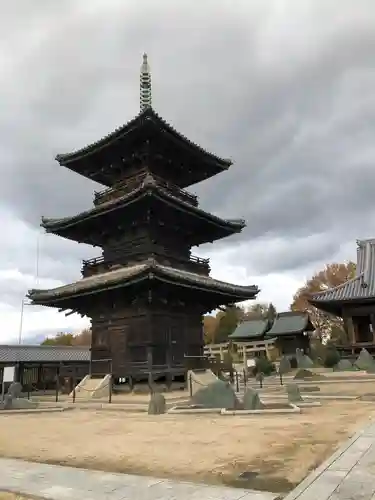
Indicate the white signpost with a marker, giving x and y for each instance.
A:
(8, 376)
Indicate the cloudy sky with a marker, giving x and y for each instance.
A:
(285, 88)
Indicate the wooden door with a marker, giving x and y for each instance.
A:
(176, 340)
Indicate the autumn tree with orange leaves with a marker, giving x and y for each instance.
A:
(69, 339)
(217, 328)
(328, 326)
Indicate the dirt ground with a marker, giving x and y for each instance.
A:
(4, 495)
(349, 389)
(279, 450)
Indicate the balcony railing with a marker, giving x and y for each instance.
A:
(99, 265)
(132, 183)
(199, 260)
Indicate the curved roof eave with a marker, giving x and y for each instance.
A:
(51, 224)
(353, 289)
(148, 269)
(137, 121)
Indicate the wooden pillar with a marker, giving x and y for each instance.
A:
(350, 328)
(266, 346)
(244, 357)
(150, 366)
(169, 377)
(19, 371)
(39, 377)
(372, 319)
(221, 353)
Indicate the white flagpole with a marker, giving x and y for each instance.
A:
(21, 322)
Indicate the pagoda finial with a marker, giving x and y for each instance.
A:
(145, 85)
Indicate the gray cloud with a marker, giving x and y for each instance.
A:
(288, 95)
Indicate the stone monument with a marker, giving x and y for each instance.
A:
(303, 361)
(294, 394)
(365, 361)
(284, 365)
(13, 400)
(344, 365)
(218, 394)
(251, 400)
(157, 404)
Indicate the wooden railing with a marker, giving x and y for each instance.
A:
(132, 183)
(352, 350)
(99, 264)
(139, 368)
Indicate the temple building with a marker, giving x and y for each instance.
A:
(354, 302)
(146, 293)
(45, 367)
(276, 337)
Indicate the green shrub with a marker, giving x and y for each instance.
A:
(332, 357)
(263, 365)
(318, 351)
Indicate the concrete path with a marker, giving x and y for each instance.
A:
(67, 483)
(349, 474)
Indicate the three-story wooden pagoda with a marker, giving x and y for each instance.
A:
(146, 294)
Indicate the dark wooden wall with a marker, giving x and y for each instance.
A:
(162, 242)
(152, 328)
(289, 344)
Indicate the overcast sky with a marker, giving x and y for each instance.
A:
(284, 88)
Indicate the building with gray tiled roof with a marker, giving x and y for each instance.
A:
(23, 353)
(290, 330)
(354, 300)
(37, 367)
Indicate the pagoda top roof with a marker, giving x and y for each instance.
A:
(149, 184)
(146, 270)
(93, 160)
(358, 289)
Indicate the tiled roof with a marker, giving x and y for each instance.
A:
(285, 323)
(146, 116)
(290, 322)
(359, 288)
(254, 328)
(38, 353)
(149, 185)
(149, 269)
(94, 282)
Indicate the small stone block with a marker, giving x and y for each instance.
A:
(157, 405)
(294, 394)
(218, 394)
(284, 366)
(251, 400)
(344, 365)
(364, 361)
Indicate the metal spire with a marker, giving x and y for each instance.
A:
(145, 85)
